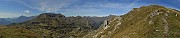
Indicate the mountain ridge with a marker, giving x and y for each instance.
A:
(7, 21)
(52, 25)
(151, 21)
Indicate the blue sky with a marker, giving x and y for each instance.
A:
(15, 8)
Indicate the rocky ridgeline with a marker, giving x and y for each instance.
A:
(152, 21)
(51, 25)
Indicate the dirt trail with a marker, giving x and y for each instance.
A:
(165, 27)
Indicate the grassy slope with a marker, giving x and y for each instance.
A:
(135, 27)
(139, 23)
(16, 32)
(135, 24)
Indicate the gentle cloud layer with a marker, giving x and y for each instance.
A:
(79, 7)
(84, 7)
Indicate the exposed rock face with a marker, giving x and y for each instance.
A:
(52, 15)
(51, 25)
(145, 22)
(107, 29)
(95, 21)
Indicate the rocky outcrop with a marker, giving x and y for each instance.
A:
(51, 25)
(152, 21)
(109, 27)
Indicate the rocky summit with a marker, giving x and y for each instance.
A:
(51, 25)
(151, 21)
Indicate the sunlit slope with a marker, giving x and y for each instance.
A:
(145, 22)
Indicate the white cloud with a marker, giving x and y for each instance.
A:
(27, 12)
(99, 9)
(134, 2)
(56, 5)
(86, 8)
(47, 5)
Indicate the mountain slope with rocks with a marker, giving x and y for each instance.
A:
(51, 25)
(152, 21)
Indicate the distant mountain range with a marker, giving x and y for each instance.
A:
(151, 21)
(59, 26)
(7, 21)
